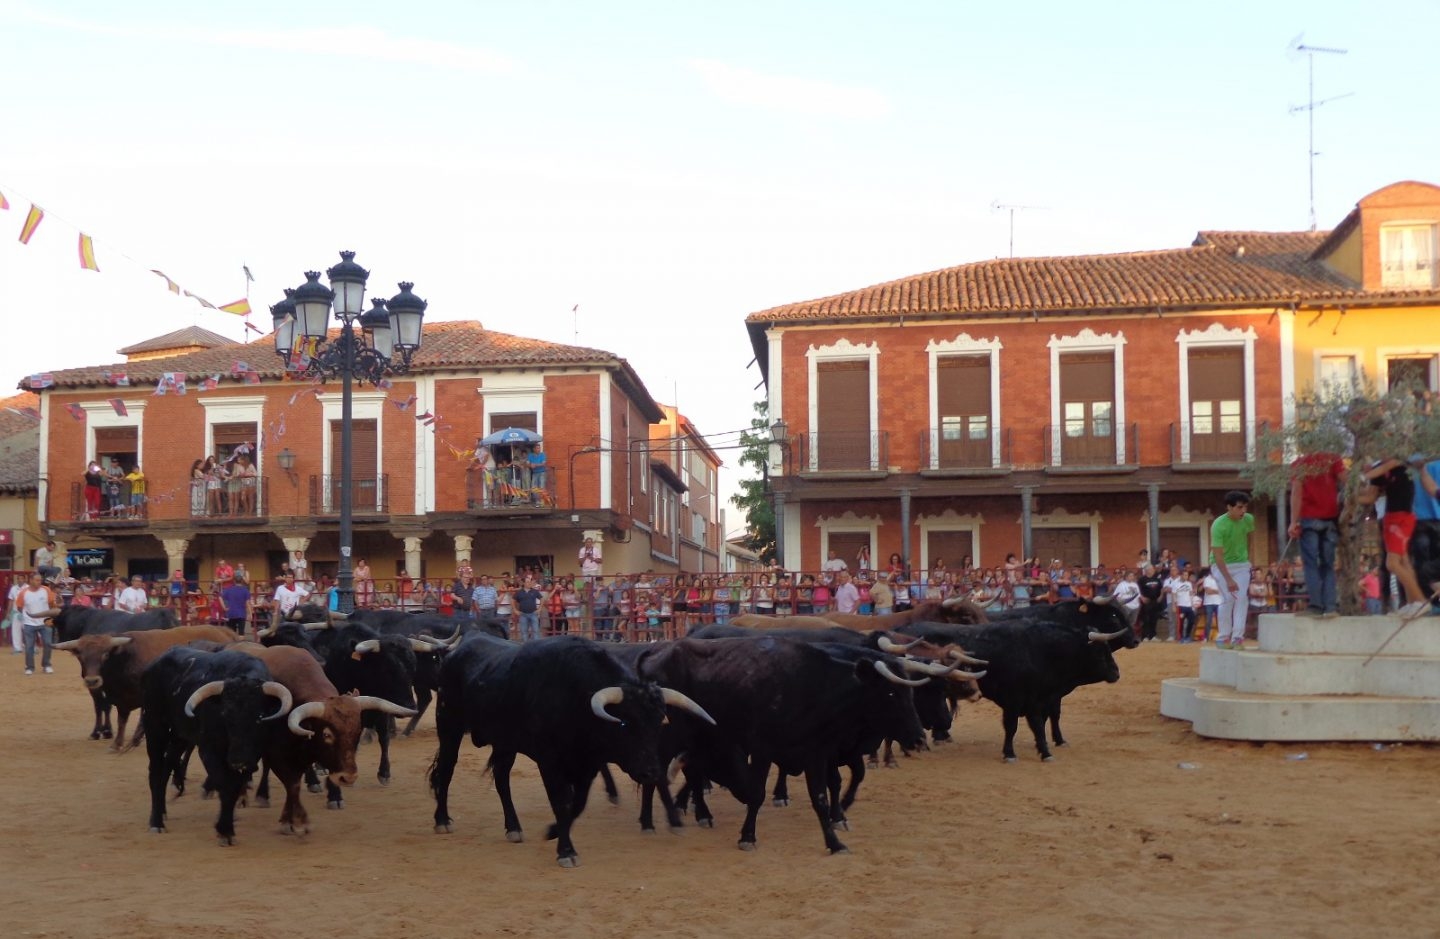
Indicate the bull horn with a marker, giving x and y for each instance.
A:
(960, 658)
(1106, 637)
(314, 627)
(369, 645)
(368, 702)
(67, 646)
(916, 667)
(959, 675)
(337, 617)
(306, 710)
(888, 675)
(266, 633)
(950, 603)
(208, 690)
(612, 694)
(421, 645)
(118, 641)
(887, 644)
(1103, 600)
(276, 690)
(675, 699)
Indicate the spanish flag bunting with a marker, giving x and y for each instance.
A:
(119, 405)
(76, 411)
(87, 253)
(4, 203)
(174, 287)
(32, 222)
(199, 299)
(239, 308)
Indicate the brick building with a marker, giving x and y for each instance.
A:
(420, 504)
(1079, 408)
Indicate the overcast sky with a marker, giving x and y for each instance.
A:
(670, 167)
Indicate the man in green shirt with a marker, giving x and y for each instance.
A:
(1230, 536)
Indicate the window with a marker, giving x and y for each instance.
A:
(1337, 371)
(842, 410)
(122, 443)
(1411, 371)
(1407, 255)
(234, 439)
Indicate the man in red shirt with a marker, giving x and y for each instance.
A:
(1314, 513)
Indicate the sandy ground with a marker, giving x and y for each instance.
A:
(1113, 838)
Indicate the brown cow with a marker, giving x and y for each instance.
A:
(323, 727)
(115, 664)
(954, 610)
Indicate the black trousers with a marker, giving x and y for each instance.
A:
(1149, 619)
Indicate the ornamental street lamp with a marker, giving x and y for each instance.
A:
(387, 340)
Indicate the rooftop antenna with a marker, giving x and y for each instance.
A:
(1296, 48)
(998, 206)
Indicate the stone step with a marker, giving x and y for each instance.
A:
(1228, 714)
(1259, 672)
(1348, 635)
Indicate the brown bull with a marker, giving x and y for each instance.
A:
(954, 610)
(323, 726)
(114, 664)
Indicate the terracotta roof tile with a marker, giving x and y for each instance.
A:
(179, 339)
(1220, 269)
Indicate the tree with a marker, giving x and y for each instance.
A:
(1363, 425)
(754, 498)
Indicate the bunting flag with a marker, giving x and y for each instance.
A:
(42, 380)
(32, 222)
(239, 307)
(249, 325)
(403, 405)
(252, 377)
(200, 300)
(119, 405)
(240, 367)
(174, 287)
(76, 411)
(87, 253)
(210, 383)
(249, 277)
(116, 378)
(4, 203)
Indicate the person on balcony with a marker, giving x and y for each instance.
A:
(197, 488)
(485, 467)
(242, 487)
(536, 460)
(136, 479)
(214, 476)
(115, 489)
(94, 479)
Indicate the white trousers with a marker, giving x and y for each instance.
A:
(1234, 607)
(17, 637)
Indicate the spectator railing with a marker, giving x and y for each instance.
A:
(369, 495)
(841, 451)
(943, 448)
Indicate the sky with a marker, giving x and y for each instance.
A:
(669, 167)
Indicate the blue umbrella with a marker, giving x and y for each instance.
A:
(511, 435)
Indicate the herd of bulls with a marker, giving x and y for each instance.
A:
(808, 696)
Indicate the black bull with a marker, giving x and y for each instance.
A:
(1037, 656)
(564, 702)
(75, 621)
(782, 703)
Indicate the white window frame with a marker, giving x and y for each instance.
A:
(848, 523)
(102, 414)
(1087, 340)
(1356, 357)
(1386, 353)
(949, 520)
(1061, 518)
(364, 406)
(505, 393)
(249, 409)
(1216, 335)
(844, 351)
(963, 345)
(1408, 278)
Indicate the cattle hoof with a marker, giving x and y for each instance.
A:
(747, 846)
(515, 837)
(383, 780)
(157, 831)
(780, 803)
(705, 822)
(312, 787)
(445, 828)
(225, 841)
(107, 734)
(335, 805)
(1010, 759)
(262, 803)
(94, 735)
(568, 862)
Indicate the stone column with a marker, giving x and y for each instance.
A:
(1027, 516)
(780, 530)
(904, 527)
(412, 557)
(1153, 490)
(464, 544)
(175, 553)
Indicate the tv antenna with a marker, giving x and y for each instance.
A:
(1296, 48)
(998, 206)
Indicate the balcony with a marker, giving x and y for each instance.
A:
(370, 495)
(1091, 446)
(507, 490)
(844, 452)
(105, 513)
(969, 453)
(239, 505)
(1214, 444)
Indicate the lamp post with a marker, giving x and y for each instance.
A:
(388, 337)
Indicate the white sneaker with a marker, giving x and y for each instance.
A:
(49, 670)
(29, 671)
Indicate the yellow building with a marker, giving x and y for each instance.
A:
(1383, 319)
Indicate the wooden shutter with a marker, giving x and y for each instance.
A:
(1217, 374)
(233, 435)
(525, 420)
(117, 440)
(364, 444)
(842, 412)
